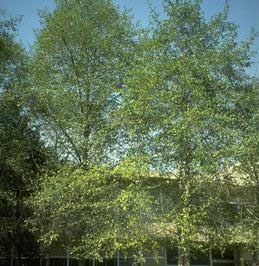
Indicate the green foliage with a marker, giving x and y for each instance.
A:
(248, 155)
(155, 132)
(182, 110)
(183, 92)
(22, 154)
(97, 212)
(81, 55)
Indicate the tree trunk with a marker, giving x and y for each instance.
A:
(12, 254)
(19, 258)
(87, 132)
(184, 258)
(211, 258)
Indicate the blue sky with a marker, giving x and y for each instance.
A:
(243, 12)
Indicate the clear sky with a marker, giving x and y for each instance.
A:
(245, 13)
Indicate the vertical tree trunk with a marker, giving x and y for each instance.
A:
(211, 258)
(47, 260)
(12, 254)
(87, 133)
(19, 258)
(67, 260)
(237, 256)
(184, 258)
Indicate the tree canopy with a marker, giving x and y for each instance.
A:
(22, 154)
(81, 56)
(153, 132)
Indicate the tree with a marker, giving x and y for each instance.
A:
(181, 110)
(175, 110)
(248, 160)
(81, 56)
(21, 152)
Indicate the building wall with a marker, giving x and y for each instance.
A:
(167, 257)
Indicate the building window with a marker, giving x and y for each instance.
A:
(57, 262)
(63, 262)
(73, 262)
(223, 259)
(88, 262)
(199, 258)
(128, 262)
(107, 262)
(172, 256)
